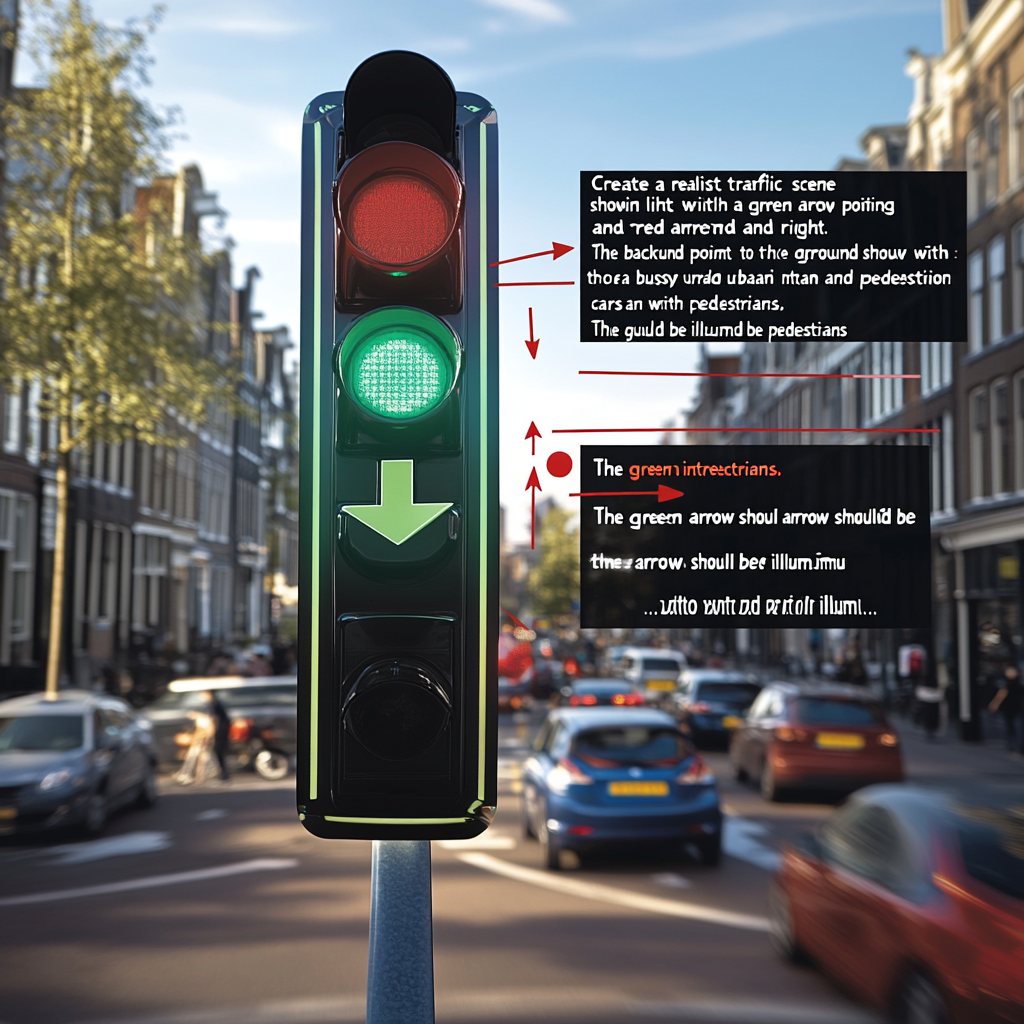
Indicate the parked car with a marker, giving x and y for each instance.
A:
(653, 671)
(711, 703)
(72, 761)
(590, 692)
(914, 899)
(617, 775)
(262, 711)
(815, 735)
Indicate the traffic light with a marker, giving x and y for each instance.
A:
(398, 580)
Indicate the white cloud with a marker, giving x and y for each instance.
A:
(249, 25)
(447, 44)
(536, 10)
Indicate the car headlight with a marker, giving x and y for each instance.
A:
(53, 780)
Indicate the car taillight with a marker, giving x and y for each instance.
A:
(627, 699)
(588, 699)
(580, 830)
(889, 739)
(240, 731)
(697, 772)
(566, 773)
(700, 708)
(787, 735)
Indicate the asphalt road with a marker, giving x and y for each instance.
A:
(216, 907)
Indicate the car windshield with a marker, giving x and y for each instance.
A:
(170, 701)
(837, 711)
(661, 665)
(612, 746)
(992, 844)
(733, 693)
(41, 732)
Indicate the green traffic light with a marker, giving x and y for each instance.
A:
(399, 363)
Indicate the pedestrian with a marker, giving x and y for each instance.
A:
(1007, 702)
(198, 759)
(221, 731)
(929, 699)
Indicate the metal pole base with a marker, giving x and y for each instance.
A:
(400, 984)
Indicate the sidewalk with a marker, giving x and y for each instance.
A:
(949, 759)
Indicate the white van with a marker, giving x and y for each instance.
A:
(654, 671)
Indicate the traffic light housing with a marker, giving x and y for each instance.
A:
(398, 480)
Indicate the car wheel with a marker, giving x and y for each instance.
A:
(549, 845)
(271, 764)
(711, 851)
(529, 832)
(781, 932)
(148, 794)
(921, 1002)
(769, 787)
(97, 812)
(739, 773)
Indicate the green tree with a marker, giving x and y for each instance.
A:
(99, 303)
(553, 584)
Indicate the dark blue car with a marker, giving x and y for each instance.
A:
(612, 775)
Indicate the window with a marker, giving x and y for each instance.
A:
(1015, 161)
(936, 365)
(1002, 469)
(978, 407)
(886, 392)
(150, 570)
(972, 160)
(942, 463)
(976, 301)
(992, 141)
(12, 418)
(1017, 278)
(996, 271)
(1018, 391)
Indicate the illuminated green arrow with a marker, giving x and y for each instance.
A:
(397, 517)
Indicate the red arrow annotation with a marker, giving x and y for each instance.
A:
(664, 493)
(526, 284)
(533, 343)
(533, 486)
(750, 430)
(673, 373)
(556, 250)
(531, 435)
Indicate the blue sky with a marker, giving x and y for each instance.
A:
(578, 85)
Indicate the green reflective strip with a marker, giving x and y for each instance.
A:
(485, 440)
(399, 821)
(314, 611)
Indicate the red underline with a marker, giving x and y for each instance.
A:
(750, 430)
(667, 373)
(524, 284)
(608, 494)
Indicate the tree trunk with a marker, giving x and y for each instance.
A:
(60, 534)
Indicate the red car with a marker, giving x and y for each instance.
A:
(815, 736)
(913, 898)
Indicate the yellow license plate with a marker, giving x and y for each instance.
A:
(6, 813)
(840, 741)
(661, 684)
(732, 722)
(638, 788)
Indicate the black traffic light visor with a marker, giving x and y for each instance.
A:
(400, 96)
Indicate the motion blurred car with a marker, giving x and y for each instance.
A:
(617, 775)
(513, 694)
(590, 692)
(822, 736)
(711, 703)
(72, 761)
(653, 671)
(262, 711)
(914, 899)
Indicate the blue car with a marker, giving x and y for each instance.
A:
(611, 775)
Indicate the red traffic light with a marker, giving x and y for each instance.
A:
(398, 209)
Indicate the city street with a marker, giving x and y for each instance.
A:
(216, 906)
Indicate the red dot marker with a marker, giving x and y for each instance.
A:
(559, 464)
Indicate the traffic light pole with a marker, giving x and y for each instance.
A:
(400, 981)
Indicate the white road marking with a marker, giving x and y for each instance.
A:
(671, 880)
(212, 814)
(153, 881)
(542, 1004)
(609, 894)
(485, 841)
(113, 846)
(739, 841)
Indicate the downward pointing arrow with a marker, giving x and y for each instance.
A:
(397, 517)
